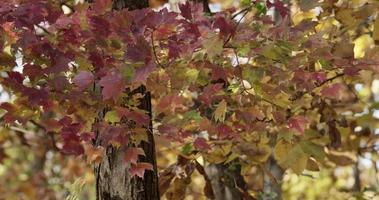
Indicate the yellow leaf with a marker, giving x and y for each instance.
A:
(213, 46)
(112, 117)
(220, 111)
(290, 156)
(362, 44)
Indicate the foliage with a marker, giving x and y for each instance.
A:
(236, 85)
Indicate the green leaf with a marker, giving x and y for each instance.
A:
(187, 148)
(192, 115)
(313, 149)
(245, 3)
(112, 117)
(127, 72)
(261, 8)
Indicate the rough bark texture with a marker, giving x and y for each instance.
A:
(113, 182)
(225, 182)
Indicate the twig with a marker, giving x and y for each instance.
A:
(301, 94)
(246, 90)
(235, 27)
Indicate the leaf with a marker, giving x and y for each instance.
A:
(73, 147)
(187, 148)
(113, 85)
(140, 168)
(201, 144)
(102, 6)
(375, 34)
(290, 156)
(313, 149)
(112, 117)
(213, 46)
(132, 153)
(332, 91)
(137, 116)
(341, 158)
(220, 111)
(306, 5)
(298, 123)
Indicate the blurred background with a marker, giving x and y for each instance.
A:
(32, 167)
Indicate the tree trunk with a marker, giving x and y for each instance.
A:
(225, 181)
(113, 182)
(272, 189)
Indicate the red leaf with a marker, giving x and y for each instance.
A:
(113, 85)
(73, 147)
(142, 73)
(298, 123)
(138, 117)
(83, 79)
(140, 168)
(185, 10)
(332, 91)
(201, 144)
(225, 131)
(131, 155)
(102, 6)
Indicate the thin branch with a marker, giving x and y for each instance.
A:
(246, 90)
(236, 26)
(301, 94)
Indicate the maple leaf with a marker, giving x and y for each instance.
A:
(213, 46)
(73, 148)
(132, 153)
(138, 116)
(83, 80)
(332, 91)
(102, 6)
(113, 85)
(141, 74)
(306, 5)
(201, 144)
(220, 111)
(140, 168)
(185, 10)
(298, 123)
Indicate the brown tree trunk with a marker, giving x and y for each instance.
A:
(226, 182)
(272, 189)
(113, 182)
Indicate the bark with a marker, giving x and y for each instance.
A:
(272, 188)
(226, 182)
(113, 182)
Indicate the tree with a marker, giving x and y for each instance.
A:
(234, 88)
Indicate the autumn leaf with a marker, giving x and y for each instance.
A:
(112, 117)
(201, 144)
(132, 153)
(113, 85)
(213, 46)
(220, 111)
(306, 5)
(290, 156)
(298, 123)
(140, 168)
(375, 34)
(102, 6)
